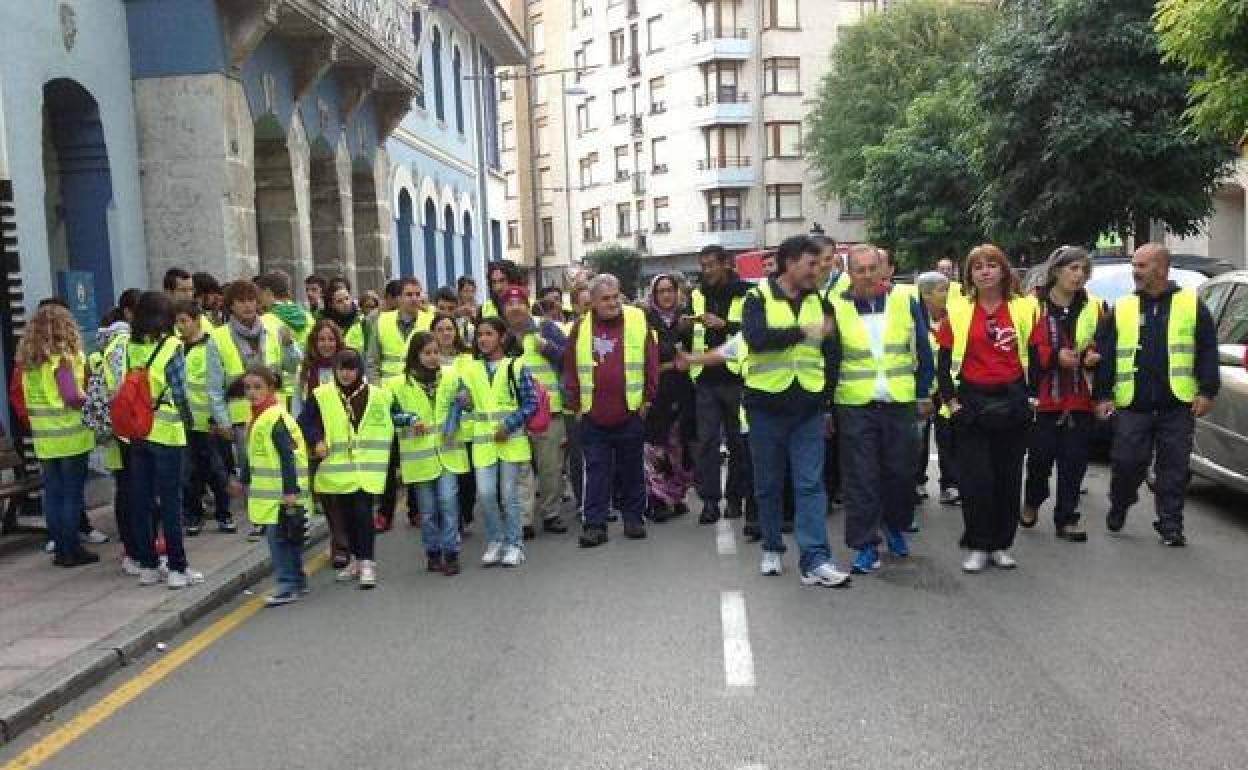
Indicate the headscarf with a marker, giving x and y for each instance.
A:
(670, 316)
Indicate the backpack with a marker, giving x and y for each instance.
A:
(96, 409)
(133, 411)
(540, 421)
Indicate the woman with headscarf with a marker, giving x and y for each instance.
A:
(669, 424)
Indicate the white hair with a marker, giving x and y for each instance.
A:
(930, 281)
(603, 281)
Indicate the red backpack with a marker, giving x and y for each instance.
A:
(133, 411)
(540, 421)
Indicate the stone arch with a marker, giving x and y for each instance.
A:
(367, 219)
(428, 191)
(330, 211)
(276, 206)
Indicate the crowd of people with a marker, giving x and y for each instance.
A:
(822, 386)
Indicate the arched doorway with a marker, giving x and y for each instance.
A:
(448, 245)
(404, 227)
(328, 257)
(277, 219)
(431, 244)
(465, 267)
(366, 223)
(79, 186)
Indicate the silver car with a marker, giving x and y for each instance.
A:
(1220, 450)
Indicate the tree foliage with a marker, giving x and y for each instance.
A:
(878, 68)
(1083, 126)
(1210, 39)
(624, 263)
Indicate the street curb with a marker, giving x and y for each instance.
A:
(46, 692)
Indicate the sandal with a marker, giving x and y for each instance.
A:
(1027, 517)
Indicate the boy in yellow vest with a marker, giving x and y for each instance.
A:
(207, 466)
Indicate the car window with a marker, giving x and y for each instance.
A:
(1214, 296)
(1233, 325)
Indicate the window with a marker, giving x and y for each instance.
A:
(617, 46)
(782, 76)
(641, 216)
(543, 138)
(457, 86)
(589, 169)
(852, 210)
(538, 84)
(654, 34)
(579, 61)
(619, 105)
(723, 210)
(513, 233)
(509, 136)
(624, 219)
(658, 155)
(780, 14)
(548, 235)
(1233, 325)
(621, 163)
(784, 140)
(537, 37)
(657, 90)
(661, 222)
(420, 61)
(584, 116)
(435, 50)
(591, 226)
(720, 82)
(543, 184)
(784, 201)
(509, 182)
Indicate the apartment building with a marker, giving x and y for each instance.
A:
(666, 125)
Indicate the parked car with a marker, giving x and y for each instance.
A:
(1220, 446)
(1111, 278)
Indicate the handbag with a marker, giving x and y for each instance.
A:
(1007, 408)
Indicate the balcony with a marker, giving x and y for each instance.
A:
(725, 172)
(729, 235)
(728, 107)
(727, 44)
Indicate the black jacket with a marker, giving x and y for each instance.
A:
(719, 302)
(762, 339)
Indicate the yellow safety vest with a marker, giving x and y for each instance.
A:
(489, 309)
(232, 363)
(205, 323)
(636, 328)
(57, 429)
(356, 337)
(1180, 347)
(167, 427)
(860, 369)
(492, 401)
(542, 370)
(697, 304)
(1022, 312)
(426, 457)
(358, 456)
(300, 337)
(197, 385)
(775, 370)
(392, 344)
(264, 496)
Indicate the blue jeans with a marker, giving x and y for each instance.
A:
(501, 503)
(438, 503)
(799, 438)
(287, 562)
(64, 479)
(614, 455)
(156, 490)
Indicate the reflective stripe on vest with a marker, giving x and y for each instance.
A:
(492, 401)
(1180, 347)
(775, 370)
(860, 369)
(197, 386)
(167, 427)
(264, 494)
(392, 344)
(697, 304)
(425, 457)
(542, 371)
(1022, 312)
(233, 366)
(358, 456)
(635, 330)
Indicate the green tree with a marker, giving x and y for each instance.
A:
(1210, 39)
(1083, 127)
(878, 68)
(622, 262)
(922, 181)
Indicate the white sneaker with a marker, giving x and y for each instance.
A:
(493, 555)
(183, 579)
(513, 556)
(164, 566)
(368, 575)
(974, 561)
(129, 567)
(920, 491)
(771, 564)
(826, 575)
(950, 496)
(49, 547)
(1003, 560)
(148, 577)
(96, 537)
(348, 573)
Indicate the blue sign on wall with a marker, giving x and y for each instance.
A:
(77, 287)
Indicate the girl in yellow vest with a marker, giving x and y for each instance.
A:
(325, 341)
(156, 462)
(428, 402)
(503, 398)
(275, 475)
(348, 424)
(50, 355)
(455, 350)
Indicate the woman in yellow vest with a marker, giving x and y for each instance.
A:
(156, 462)
(325, 341)
(455, 350)
(981, 370)
(503, 399)
(53, 366)
(428, 403)
(348, 424)
(275, 475)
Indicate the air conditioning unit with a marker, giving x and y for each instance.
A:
(634, 65)
(639, 183)
(621, 176)
(641, 242)
(659, 168)
(662, 228)
(504, 95)
(637, 127)
(587, 10)
(658, 108)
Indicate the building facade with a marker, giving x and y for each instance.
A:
(1225, 235)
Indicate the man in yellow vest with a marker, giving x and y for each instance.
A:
(1158, 373)
(611, 373)
(788, 329)
(278, 304)
(884, 371)
(830, 276)
(949, 269)
(543, 345)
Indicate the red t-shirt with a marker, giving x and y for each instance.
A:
(992, 348)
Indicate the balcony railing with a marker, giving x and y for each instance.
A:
(723, 97)
(722, 34)
(724, 226)
(738, 161)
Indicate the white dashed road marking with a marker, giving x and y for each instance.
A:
(725, 541)
(738, 657)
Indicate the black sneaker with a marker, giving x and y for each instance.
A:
(226, 526)
(659, 513)
(786, 527)
(78, 559)
(635, 531)
(710, 513)
(680, 509)
(1174, 539)
(592, 537)
(1115, 519)
(752, 533)
(193, 528)
(732, 510)
(554, 526)
(256, 534)
(529, 533)
(613, 515)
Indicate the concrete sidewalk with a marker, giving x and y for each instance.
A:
(63, 630)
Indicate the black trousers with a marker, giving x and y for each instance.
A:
(990, 468)
(355, 511)
(205, 471)
(1138, 438)
(718, 410)
(1059, 439)
(391, 492)
(877, 462)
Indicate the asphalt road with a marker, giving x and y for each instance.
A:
(1118, 653)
